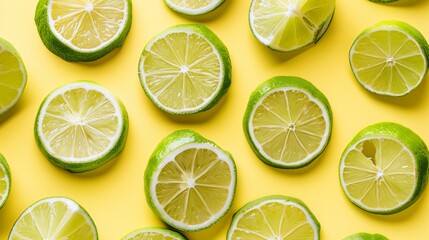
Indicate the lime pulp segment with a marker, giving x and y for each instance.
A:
(154, 233)
(192, 7)
(5, 181)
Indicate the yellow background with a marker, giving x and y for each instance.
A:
(114, 195)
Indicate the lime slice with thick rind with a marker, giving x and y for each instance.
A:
(5, 181)
(288, 122)
(389, 58)
(366, 236)
(185, 69)
(274, 217)
(83, 30)
(383, 170)
(290, 25)
(13, 76)
(154, 233)
(194, 7)
(81, 126)
(54, 218)
(190, 182)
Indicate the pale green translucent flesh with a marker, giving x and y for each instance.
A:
(149, 236)
(192, 4)
(288, 126)
(379, 173)
(4, 184)
(87, 24)
(273, 220)
(11, 78)
(182, 71)
(290, 24)
(388, 61)
(194, 187)
(79, 123)
(53, 221)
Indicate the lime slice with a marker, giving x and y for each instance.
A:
(81, 126)
(83, 30)
(189, 181)
(5, 180)
(154, 233)
(13, 76)
(194, 7)
(366, 236)
(274, 217)
(185, 69)
(288, 122)
(389, 58)
(54, 218)
(289, 25)
(384, 168)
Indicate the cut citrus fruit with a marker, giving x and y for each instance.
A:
(194, 7)
(389, 58)
(189, 181)
(13, 76)
(383, 170)
(154, 233)
(289, 25)
(288, 122)
(5, 181)
(83, 30)
(81, 126)
(54, 218)
(366, 236)
(185, 69)
(274, 217)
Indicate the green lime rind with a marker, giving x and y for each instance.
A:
(7, 172)
(83, 212)
(167, 145)
(192, 12)
(410, 140)
(138, 234)
(366, 236)
(80, 167)
(401, 27)
(217, 44)
(9, 47)
(66, 52)
(287, 199)
(279, 82)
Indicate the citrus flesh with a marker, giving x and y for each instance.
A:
(54, 218)
(194, 7)
(288, 122)
(83, 30)
(185, 69)
(366, 236)
(190, 182)
(389, 58)
(81, 126)
(5, 181)
(154, 233)
(13, 76)
(288, 25)
(274, 217)
(384, 169)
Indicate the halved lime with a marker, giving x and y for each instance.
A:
(389, 58)
(366, 236)
(13, 76)
(288, 122)
(185, 69)
(54, 218)
(81, 126)
(189, 181)
(194, 7)
(274, 217)
(289, 25)
(5, 181)
(153, 233)
(384, 168)
(83, 30)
